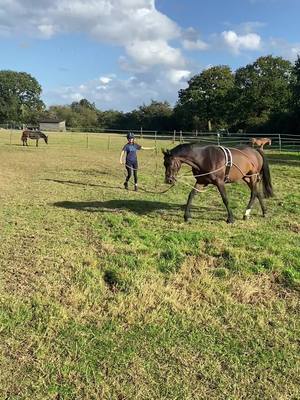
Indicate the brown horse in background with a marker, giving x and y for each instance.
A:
(209, 167)
(260, 142)
(36, 135)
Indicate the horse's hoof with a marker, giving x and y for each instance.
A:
(246, 217)
(230, 221)
(187, 219)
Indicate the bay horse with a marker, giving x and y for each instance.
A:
(260, 142)
(36, 135)
(209, 166)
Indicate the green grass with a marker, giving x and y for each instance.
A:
(108, 294)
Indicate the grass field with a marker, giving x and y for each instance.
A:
(108, 294)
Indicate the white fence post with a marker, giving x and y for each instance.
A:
(279, 141)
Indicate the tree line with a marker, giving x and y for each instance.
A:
(263, 96)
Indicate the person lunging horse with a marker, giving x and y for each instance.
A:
(131, 162)
(36, 135)
(217, 165)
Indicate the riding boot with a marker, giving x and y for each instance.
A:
(126, 185)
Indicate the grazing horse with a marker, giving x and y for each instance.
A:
(260, 142)
(36, 135)
(218, 165)
(33, 135)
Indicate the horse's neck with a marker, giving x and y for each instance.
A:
(190, 159)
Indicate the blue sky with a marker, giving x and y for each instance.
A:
(123, 53)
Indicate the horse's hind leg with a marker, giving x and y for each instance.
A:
(221, 187)
(252, 184)
(260, 199)
(187, 213)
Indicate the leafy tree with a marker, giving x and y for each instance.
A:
(19, 97)
(111, 119)
(82, 114)
(296, 86)
(262, 89)
(64, 113)
(204, 103)
(156, 116)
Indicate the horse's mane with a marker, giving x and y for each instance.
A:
(186, 147)
(180, 149)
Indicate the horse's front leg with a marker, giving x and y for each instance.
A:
(221, 187)
(187, 213)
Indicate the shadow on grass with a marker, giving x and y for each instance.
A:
(68, 182)
(143, 207)
(139, 207)
(141, 189)
(92, 172)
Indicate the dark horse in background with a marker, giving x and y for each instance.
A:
(209, 167)
(36, 135)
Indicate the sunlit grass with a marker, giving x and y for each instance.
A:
(108, 294)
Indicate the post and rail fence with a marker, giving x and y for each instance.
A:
(280, 142)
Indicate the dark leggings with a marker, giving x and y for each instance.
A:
(131, 166)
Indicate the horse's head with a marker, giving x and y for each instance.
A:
(172, 166)
(44, 136)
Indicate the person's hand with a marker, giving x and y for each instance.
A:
(121, 162)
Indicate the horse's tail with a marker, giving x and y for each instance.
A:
(266, 176)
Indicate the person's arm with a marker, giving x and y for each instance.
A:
(122, 156)
(147, 148)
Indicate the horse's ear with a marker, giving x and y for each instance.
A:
(166, 152)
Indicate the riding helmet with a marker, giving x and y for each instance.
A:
(130, 135)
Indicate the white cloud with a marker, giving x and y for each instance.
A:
(178, 76)
(46, 30)
(105, 79)
(194, 45)
(191, 40)
(134, 24)
(284, 49)
(124, 94)
(146, 36)
(235, 42)
(154, 52)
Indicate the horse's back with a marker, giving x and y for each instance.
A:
(31, 134)
(254, 157)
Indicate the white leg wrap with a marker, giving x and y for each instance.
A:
(247, 212)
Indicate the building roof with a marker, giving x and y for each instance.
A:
(51, 120)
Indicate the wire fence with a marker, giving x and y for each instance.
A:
(111, 139)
